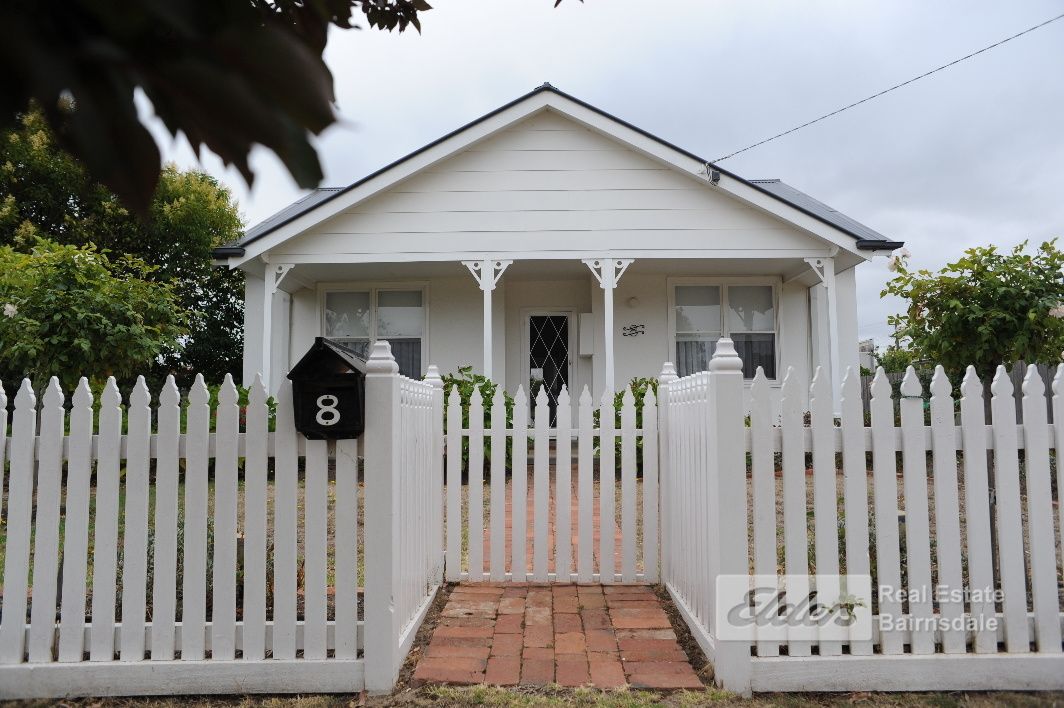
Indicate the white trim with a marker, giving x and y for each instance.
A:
(906, 672)
(444, 256)
(775, 282)
(531, 105)
(373, 287)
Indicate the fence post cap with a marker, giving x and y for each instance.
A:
(381, 360)
(668, 373)
(725, 358)
(433, 378)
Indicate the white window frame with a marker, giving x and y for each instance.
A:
(723, 282)
(373, 288)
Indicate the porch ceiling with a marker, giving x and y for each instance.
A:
(308, 274)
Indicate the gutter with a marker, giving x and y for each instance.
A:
(872, 244)
(228, 251)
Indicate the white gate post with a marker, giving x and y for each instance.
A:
(665, 472)
(382, 520)
(728, 494)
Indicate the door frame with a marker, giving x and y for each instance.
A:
(526, 344)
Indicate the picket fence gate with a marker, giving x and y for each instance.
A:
(255, 631)
(543, 527)
(707, 482)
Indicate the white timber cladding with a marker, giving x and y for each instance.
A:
(547, 185)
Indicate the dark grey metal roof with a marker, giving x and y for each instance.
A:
(785, 192)
(293, 210)
(867, 239)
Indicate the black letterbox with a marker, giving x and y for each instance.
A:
(329, 392)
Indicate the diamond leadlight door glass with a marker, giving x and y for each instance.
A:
(548, 358)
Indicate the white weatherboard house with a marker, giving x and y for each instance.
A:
(550, 240)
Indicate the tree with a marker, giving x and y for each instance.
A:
(895, 358)
(226, 73)
(71, 311)
(46, 193)
(986, 309)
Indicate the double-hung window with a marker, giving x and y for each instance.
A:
(702, 313)
(356, 318)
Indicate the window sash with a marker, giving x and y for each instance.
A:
(407, 354)
(688, 355)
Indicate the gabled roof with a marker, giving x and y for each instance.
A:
(867, 238)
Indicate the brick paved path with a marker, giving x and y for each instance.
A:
(574, 635)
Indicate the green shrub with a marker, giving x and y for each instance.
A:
(467, 382)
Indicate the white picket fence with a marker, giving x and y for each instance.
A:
(253, 631)
(946, 540)
(563, 546)
(185, 587)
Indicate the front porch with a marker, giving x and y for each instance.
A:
(575, 321)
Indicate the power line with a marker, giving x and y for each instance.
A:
(892, 88)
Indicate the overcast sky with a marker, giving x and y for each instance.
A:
(972, 155)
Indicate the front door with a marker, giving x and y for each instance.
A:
(548, 357)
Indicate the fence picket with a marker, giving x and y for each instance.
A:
(947, 509)
(46, 532)
(917, 522)
(855, 492)
(256, 469)
(454, 485)
(628, 569)
(519, 489)
(1040, 515)
(540, 487)
(346, 594)
(164, 562)
(563, 473)
(707, 560)
(19, 518)
(105, 540)
(650, 486)
(3, 446)
(977, 511)
(76, 527)
(476, 486)
(194, 578)
(315, 549)
(763, 485)
(1058, 428)
(497, 518)
(285, 499)
(607, 482)
(1009, 519)
(135, 533)
(585, 491)
(795, 538)
(885, 490)
(223, 603)
(825, 496)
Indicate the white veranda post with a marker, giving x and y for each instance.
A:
(825, 270)
(274, 275)
(487, 273)
(608, 272)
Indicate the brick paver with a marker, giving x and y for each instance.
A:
(535, 634)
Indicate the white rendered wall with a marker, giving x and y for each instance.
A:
(847, 313)
(253, 289)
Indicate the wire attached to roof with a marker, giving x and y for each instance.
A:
(892, 88)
